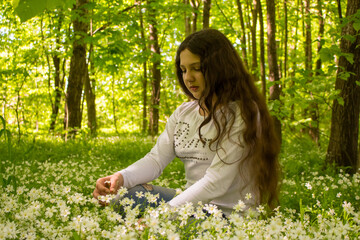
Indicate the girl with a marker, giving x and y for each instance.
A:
(225, 136)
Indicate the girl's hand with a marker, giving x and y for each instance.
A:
(108, 185)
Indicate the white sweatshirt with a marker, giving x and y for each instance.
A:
(212, 177)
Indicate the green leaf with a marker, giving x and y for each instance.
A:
(356, 26)
(76, 236)
(340, 100)
(27, 9)
(326, 55)
(349, 57)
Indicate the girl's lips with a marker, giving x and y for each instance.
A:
(194, 88)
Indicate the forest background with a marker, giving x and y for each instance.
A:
(95, 67)
(86, 87)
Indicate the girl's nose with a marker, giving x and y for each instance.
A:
(188, 77)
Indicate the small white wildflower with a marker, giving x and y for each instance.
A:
(106, 198)
(151, 198)
(331, 212)
(127, 201)
(67, 189)
(139, 194)
(106, 234)
(248, 196)
(347, 207)
(122, 191)
(338, 195)
(308, 186)
(211, 208)
(240, 206)
(173, 236)
(260, 209)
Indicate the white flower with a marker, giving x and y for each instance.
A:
(338, 195)
(173, 236)
(308, 186)
(64, 212)
(139, 194)
(347, 207)
(122, 191)
(67, 189)
(240, 206)
(106, 234)
(211, 208)
(151, 198)
(260, 209)
(248, 196)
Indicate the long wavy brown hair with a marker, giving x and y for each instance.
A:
(227, 80)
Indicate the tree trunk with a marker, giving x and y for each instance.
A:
(308, 49)
(156, 74)
(56, 103)
(254, 62)
(78, 69)
(145, 78)
(272, 60)
(195, 5)
(57, 82)
(343, 145)
(187, 19)
(206, 13)
(243, 35)
(262, 50)
(286, 39)
(313, 108)
(90, 91)
(90, 104)
(320, 37)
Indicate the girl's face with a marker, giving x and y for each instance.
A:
(193, 78)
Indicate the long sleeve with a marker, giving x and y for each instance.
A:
(151, 166)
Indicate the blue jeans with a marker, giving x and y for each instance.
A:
(165, 194)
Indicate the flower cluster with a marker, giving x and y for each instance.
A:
(52, 200)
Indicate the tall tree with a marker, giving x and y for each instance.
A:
(187, 19)
(90, 88)
(243, 34)
(321, 34)
(195, 5)
(262, 49)
(286, 34)
(145, 77)
(254, 62)
(274, 76)
(78, 68)
(156, 73)
(55, 55)
(343, 144)
(313, 107)
(206, 13)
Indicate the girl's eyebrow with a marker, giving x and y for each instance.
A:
(192, 64)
